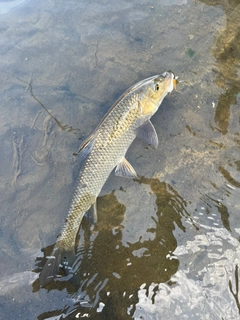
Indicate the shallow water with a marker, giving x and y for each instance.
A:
(167, 246)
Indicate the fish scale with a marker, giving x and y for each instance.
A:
(103, 151)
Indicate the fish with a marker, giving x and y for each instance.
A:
(100, 153)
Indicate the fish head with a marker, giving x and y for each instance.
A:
(153, 90)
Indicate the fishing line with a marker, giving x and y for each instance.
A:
(204, 44)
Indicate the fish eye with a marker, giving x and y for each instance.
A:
(157, 87)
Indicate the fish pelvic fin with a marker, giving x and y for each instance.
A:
(124, 169)
(59, 259)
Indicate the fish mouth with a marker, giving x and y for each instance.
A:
(172, 80)
(175, 82)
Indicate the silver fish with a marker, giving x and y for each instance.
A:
(103, 151)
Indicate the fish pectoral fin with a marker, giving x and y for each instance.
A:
(124, 169)
(147, 133)
(91, 214)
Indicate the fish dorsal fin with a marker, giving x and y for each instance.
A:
(147, 133)
(124, 169)
(86, 146)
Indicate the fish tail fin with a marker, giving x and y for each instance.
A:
(59, 259)
(68, 258)
(51, 268)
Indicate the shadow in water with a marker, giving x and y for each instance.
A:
(227, 54)
(110, 273)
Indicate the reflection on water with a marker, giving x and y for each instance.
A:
(167, 246)
(6, 6)
(138, 246)
(208, 269)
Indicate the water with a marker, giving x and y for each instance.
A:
(166, 247)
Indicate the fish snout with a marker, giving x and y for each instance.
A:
(171, 79)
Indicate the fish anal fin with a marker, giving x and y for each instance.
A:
(124, 169)
(147, 133)
(91, 215)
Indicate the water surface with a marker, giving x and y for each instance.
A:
(167, 246)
